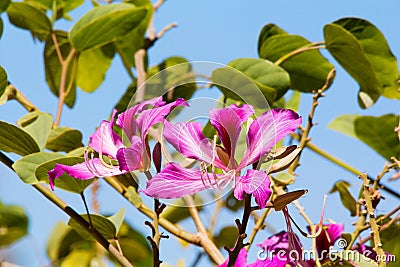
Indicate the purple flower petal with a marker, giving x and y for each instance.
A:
(266, 130)
(256, 183)
(127, 119)
(228, 123)
(149, 117)
(130, 159)
(189, 140)
(330, 233)
(83, 171)
(104, 139)
(175, 181)
(369, 252)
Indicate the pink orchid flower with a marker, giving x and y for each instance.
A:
(135, 122)
(264, 132)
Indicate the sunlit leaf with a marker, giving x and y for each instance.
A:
(172, 78)
(53, 66)
(239, 81)
(103, 24)
(38, 125)
(226, 236)
(14, 139)
(135, 246)
(78, 258)
(13, 224)
(64, 139)
(3, 80)
(4, 4)
(92, 67)
(25, 167)
(308, 70)
(117, 219)
(347, 199)
(344, 124)
(284, 178)
(129, 43)
(378, 133)
(102, 224)
(389, 241)
(362, 50)
(27, 16)
(65, 181)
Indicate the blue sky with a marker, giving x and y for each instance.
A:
(217, 31)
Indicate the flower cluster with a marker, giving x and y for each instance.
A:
(175, 181)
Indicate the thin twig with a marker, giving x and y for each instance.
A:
(141, 75)
(166, 29)
(21, 98)
(368, 197)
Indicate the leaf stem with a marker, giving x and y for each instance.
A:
(21, 99)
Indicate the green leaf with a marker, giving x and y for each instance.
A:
(308, 70)
(284, 178)
(1, 28)
(178, 210)
(103, 24)
(117, 219)
(3, 80)
(65, 181)
(14, 139)
(64, 139)
(62, 6)
(129, 43)
(62, 240)
(102, 224)
(134, 197)
(3, 5)
(79, 258)
(135, 246)
(389, 240)
(77, 152)
(239, 81)
(362, 50)
(25, 167)
(293, 102)
(226, 237)
(92, 67)
(38, 125)
(378, 133)
(344, 124)
(52, 66)
(347, 199)
(268, 31)
(173, 78)
(13, 224)
(27, 16)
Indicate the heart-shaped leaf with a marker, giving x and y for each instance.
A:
(64, 139)
(362, 50)
(25, 167)
(308, 69)
(248, 77)
(3, 80)
(38, 125)
(27, 16)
